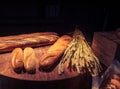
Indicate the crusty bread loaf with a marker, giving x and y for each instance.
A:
(17, 59)
(54, 52)
(29, 60)
(8, 43)
(115, 82)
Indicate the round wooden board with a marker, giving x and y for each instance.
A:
(7, 70)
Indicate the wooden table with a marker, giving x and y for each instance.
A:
(7, 70)
(69, 80)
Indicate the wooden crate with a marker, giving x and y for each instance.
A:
(106, 46)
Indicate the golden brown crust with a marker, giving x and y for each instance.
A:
(54, 52)
(29, 60)
(115, 82)
(8, 43)
(17, 59)
(21, 36)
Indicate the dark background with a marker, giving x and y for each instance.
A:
(61, 16)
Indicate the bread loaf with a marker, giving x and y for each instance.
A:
(17, 59)
(115, 82)
(8, 43)
(29, 60)
(54, 52)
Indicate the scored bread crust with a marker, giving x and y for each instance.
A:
(17, 59)
(8, 43)
(54, 52)
(29, 59)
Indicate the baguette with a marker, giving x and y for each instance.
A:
(115, 82)
(8, 43)
(54, 52)
(29, 60)
(17, 59)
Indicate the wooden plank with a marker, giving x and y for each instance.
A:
(105, 46)
(7, 70)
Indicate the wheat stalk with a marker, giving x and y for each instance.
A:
(79, 56)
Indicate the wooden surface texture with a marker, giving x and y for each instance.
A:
(106, 46)
(7, 70)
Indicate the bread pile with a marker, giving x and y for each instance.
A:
(25, 59)
(74, 50)
(113, 82)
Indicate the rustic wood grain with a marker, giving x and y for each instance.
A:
(7, 70)
(106, 46)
